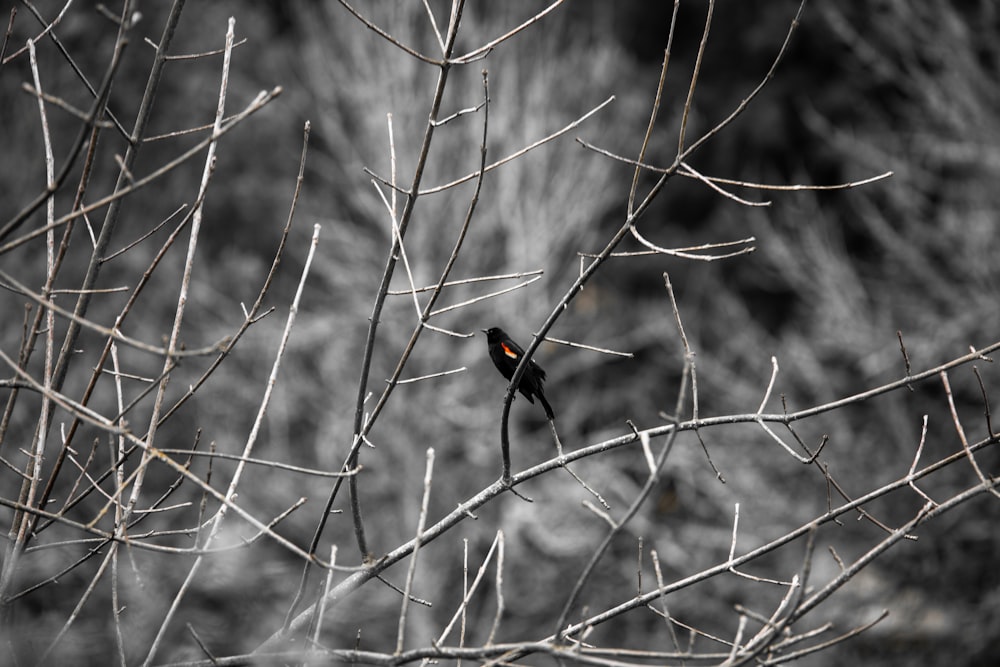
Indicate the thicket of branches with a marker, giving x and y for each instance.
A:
(248, 418)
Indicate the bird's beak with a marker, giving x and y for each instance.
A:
(484, 330)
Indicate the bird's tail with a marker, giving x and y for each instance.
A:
(545, 404)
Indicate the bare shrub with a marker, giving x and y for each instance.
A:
(231, 436)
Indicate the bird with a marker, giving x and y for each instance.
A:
(506, 355)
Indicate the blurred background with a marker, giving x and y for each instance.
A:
(864, 88)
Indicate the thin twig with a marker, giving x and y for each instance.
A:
(988, 484)
(470, 281)
(602, 350)
(392, 40)
(477, 53)
(656, 107)
(513, 156)
(916, 459)
(421, 522)
(693, 83)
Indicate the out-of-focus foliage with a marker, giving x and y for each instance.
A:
(907, 87)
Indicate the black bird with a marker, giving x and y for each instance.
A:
(506, 355)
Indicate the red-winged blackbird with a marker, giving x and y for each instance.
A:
(506, 355)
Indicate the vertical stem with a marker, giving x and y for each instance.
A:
(404, 221)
